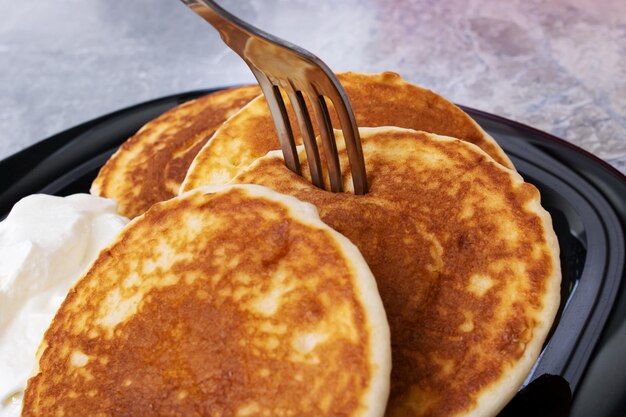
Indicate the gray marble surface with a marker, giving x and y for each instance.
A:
(559, 66)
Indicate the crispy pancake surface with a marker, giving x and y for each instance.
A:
(226, 301)
(150, 166)
(465, 259)
(377, 100)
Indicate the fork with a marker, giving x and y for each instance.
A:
(277, 65)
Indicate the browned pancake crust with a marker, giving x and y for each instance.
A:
(377, 100)
(441, 215)
(391, 101)
(150, 166)
(194, 344)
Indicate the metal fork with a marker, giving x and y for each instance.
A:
(279, 64)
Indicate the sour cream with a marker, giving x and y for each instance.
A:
(46, 244)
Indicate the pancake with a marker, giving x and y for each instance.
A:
(377, 100)
(226, 301)
(465, 259)
(150, 166)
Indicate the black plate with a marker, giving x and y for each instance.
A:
(584, 195)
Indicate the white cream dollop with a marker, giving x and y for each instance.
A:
(46, 244)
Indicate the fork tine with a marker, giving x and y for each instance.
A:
(308, 136)
(353, 143)
(281, 121)
(328, 140)
(276, 62)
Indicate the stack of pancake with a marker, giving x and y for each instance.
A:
(236, 300)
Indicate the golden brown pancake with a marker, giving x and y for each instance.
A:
(150, 166)
(465, 259)
(226, 301)
(377, 99)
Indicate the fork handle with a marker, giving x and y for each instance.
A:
(233, 31)
(239, 36)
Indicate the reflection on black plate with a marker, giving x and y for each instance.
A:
(586, 198)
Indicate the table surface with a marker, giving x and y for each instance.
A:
(558, 66)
